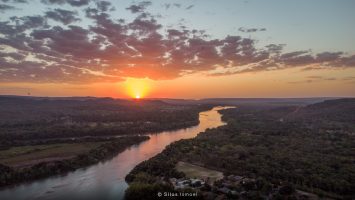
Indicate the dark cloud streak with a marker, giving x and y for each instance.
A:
(4, 7)
(140, 7)
(251, 30)
(75, 3)
(64, 16)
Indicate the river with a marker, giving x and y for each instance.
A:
(105, 180)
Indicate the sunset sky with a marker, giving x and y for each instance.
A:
(177, 49)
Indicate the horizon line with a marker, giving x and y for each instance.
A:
(178, 98)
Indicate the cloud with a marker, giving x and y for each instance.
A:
(14, 55)
(321, 78)
(49, 2)
(75, 3)
(189, 7)
(300, 82)
(140, 7)
(20, 1)
(144, 26)
(346, 61)
(64, 16)
(103, 6)
(73, 41)
(176, 5)
(78, 2)
(328, 56)
(4, 7)
(34, 49)
(251, 30)
(14, 1)
(314, 79)
(275, 48)
(28, 22)
(349, 78)
(166, 5)
(23, 90)
(296, 58)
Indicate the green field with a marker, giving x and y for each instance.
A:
(194, 171)
(29, 155)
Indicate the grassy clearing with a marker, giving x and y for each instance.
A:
(194, 171)
(29, 155)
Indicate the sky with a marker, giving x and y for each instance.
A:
(177, 49)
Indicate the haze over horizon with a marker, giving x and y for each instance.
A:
(171, 49)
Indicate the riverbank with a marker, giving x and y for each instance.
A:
(52, 120)
(106, 180)
(264, 152)
(12, 176)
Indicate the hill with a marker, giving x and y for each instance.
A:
(34, 118)
(341, 110)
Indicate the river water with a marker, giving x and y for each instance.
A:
(105, 180)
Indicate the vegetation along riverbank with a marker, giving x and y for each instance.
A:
(105, 150)
(273, 152)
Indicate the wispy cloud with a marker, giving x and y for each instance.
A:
(251, 30)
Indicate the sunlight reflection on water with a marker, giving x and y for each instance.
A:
(105, 180)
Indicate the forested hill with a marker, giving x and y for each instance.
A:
(23, 118)
(336, 110)
(70, 102)
(21, 109)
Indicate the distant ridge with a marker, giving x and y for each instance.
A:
(175, 101)
(336, 109)
(73, 101)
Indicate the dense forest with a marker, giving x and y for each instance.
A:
(309, 147)
(29, 122)
(9, 176)
(23, 119)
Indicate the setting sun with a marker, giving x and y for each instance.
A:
(137, 88)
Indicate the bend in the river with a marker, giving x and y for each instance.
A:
(106, 180)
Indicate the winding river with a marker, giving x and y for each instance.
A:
(105, 180)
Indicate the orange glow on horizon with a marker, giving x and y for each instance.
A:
(137, 88)
(288, 83)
